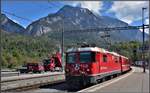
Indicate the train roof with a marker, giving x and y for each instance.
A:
(114, 53)
(95, 49)
(124, 57)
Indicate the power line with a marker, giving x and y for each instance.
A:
(109, 29)
(16, 16)
(51, 3)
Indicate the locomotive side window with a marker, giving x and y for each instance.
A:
(71, 58)
(87, 57)
(116, 59)
(104, 58)
(120, 59)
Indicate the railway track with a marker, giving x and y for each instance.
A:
(63, 87)
(23, 83)
(56, 87)
(48, 86)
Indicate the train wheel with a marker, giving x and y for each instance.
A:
(84, 84)
(108, 77)
(103, 79)
(118, 74)
(115, 75)
(111, 76)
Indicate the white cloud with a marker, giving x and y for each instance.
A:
(146, 30)
(147, 21)
(93, 6)
(129, 11)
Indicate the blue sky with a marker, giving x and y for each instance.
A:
(128, 11)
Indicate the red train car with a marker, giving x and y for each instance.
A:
(125, 63)
(87, 65)
(53, 63)
(35, 67)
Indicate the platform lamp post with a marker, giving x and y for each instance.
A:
(143, 55)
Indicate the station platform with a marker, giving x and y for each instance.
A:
(133, 82)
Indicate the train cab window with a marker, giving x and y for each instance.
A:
(104, 58)
(71, 58)
(87, 57)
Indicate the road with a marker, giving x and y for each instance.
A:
(134, 82)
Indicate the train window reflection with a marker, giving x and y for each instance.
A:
(71, 57)
(87, 57)
(104, 58)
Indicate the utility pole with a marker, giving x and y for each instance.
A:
(62, 42)
(143, 45)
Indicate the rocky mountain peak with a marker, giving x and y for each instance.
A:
(73, 18)
(10, 26)
(69, 11)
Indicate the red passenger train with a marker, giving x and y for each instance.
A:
(88, 65)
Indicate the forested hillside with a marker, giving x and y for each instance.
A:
(18, 49)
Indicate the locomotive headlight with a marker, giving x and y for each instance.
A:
(88, 70)
(82, 72)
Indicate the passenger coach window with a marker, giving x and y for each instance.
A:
(116, 59)
(87, 57)
(71, 58)
(104, 58)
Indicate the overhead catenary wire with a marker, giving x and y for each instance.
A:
(100, 29)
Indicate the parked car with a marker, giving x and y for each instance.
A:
(22, 69)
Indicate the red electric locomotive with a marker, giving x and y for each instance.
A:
(87, 65)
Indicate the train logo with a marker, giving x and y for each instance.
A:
(77, 67)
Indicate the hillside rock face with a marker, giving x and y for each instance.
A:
(73, 18)
(10, 26)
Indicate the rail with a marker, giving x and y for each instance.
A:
(29, 81)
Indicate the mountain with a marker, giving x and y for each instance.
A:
(74, 18)
(70, 17)
(10, 26)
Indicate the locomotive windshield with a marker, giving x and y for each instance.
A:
(84, 57)
(87, 57)
(71, 57)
